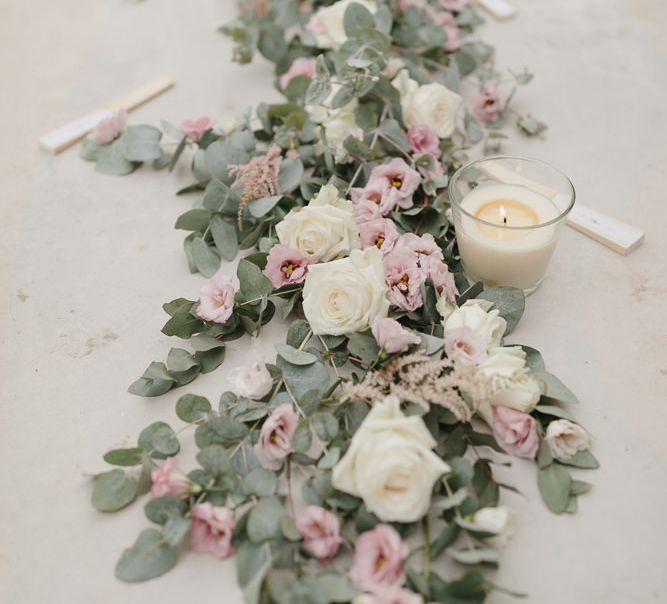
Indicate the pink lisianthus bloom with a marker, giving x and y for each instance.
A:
(404, 279)
(366, 211)
(378, 559)
(216, 300)
(320, 530)
(381, 233)
(448, 23)
(423, 140)
(286, 266)
(455, 5)
(399, 181)
(109, 128)
(438, 272)
(377, 192)
(195, 129)
(275, 437)
(212, 530)
(516, 432)
(168, 480)
(421, 245)
(392, 336)
(488, 106)
(302, 66)
(465, 346)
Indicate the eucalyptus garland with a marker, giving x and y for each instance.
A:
(359, 466)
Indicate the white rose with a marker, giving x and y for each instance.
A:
(325, 229)
(390, 464)
(565, 438)
(476, 316)
(497, 521)
(338, 123)
(345, 296)
(328, 26)
(431, 104)
(507, 364)
(253, 381)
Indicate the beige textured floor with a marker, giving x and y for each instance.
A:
(87, 261)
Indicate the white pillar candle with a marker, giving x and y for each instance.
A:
(500, 237)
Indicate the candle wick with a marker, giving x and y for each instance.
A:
(504, 219)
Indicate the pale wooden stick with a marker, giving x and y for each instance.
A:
(616, 235)
(65, 136)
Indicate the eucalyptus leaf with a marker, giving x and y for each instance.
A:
(554, 483)
(295, 356)
(225, 237)
(510, 302)
(192, 408)
(149, 557)
(264, 520)
(113, 490)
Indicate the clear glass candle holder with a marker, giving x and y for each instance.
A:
(508, 212)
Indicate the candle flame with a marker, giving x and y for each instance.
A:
(503, 213)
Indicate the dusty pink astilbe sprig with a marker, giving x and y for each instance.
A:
(416, 378)
(258, 178)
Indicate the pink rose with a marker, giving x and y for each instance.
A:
(404, 279)
(365, 211)
(516, 432)
(488, 106)
(212, 530)
(275, 437)
(392, 336)
(377, 192)
(320, 530)
(465, 346)
(397, 595)
(452, 30)
(381, 233)
(423, 140)
(398, 179)
(438, 272)
(455, 5)
(195, 129)
(168, 480)
(216, 300)
(378, 559)
(109, 128)
(286, 266)
(302, 66)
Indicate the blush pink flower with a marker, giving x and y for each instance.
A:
(438, 272)
(465, 346)
(378, 559)
(110, 128)
(275, 437)
(448, 23)
(216, 300)
(423, 140)
(404, 279)
(392, 336)
(302, 66)
(488, 106)
(286, 266)
(455, 5)
(168, 480)
(365, 211)
(399, 181)
(212, 530)
(195, 129)
(377, 192)
(421, 245)
(516, 432)
(320, 530)
(381, 233)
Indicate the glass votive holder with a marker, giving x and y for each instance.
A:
(508, 212)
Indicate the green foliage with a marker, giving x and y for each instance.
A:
(113, 490)
(149, 557)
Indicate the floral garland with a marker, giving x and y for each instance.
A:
(393, 384)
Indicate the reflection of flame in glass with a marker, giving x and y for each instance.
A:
(503, 213)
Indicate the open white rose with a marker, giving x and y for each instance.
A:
(325, 229)
(431, 104)
(390, 464)
(517, 390)
(253, 381)
(497, 521)
(565, 438)
(477, 316)
(346, 295)
(327, 24)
